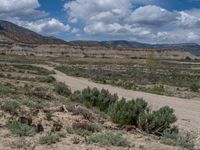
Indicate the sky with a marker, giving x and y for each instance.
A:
(148, 21)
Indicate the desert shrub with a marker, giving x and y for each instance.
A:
(49, 116)
(95, 98)
(20, 129)
(87, 126)
(79, 131)
(48, 79)
(187, 58)
(160, 90)
(95, 127)
(34, 103)
(5, 90)
(173, 137)
(108, 139)
(34, 69)
(11, 106)
(84, 112)
(136, 112)
(157, 122)
(76, 96)
(50, 138)
(194, 87)
(62, 89)
(127, 113)
(40, 93)
(28, 103)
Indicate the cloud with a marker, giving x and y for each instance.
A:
(90, 10)
(122, 19)
(47, 26)
(22, 9)
(152, 15)
(187, 20)
(75, 30)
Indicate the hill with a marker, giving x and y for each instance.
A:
(18, 34)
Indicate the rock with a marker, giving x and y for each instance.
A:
(57, 126)
(25, 120)
(39, 128)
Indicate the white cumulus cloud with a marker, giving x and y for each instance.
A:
(22, 9)
(147, 23)
(47, 26)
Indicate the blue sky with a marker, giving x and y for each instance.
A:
(150, 21)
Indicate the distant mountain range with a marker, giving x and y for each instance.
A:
(190, 47)
(12, 33)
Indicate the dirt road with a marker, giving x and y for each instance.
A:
(187, 111)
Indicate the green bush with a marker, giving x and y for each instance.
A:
(95, 98)
(20, 129)
(136, 112)
(160, 90)
(95, 127)
(49, 116)
(127, 113)
(173, 137)
(62, 89)
(34, 103)
(5, 90)
(108, 139)
(11, 106)
(157, 121)
(50, 138)
(79, 131)
(84, 129)
(187, 58)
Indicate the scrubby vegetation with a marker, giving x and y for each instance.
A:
(108, 139)
(49, 116)
(127, 112)
(50, 138)
(11, 106)
(133, 112)
(157, 122)
(95, 98)
(62, 89)
(173, 137)
(34, 105)
(20, 129)
(154, 77)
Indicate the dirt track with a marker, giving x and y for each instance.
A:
(187, 111)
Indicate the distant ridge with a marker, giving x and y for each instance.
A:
(12, 33)
(190, 47)
(19, 34)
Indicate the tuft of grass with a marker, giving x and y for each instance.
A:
(49, 116)
(5, 90)
(108, 139)
(95, 127)
(173, 137)
(20, 129)
(160, 90)
(50, 138)
(79, 131)
(34, 103)
(11, 106)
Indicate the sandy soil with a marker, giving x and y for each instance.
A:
(187, 110)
